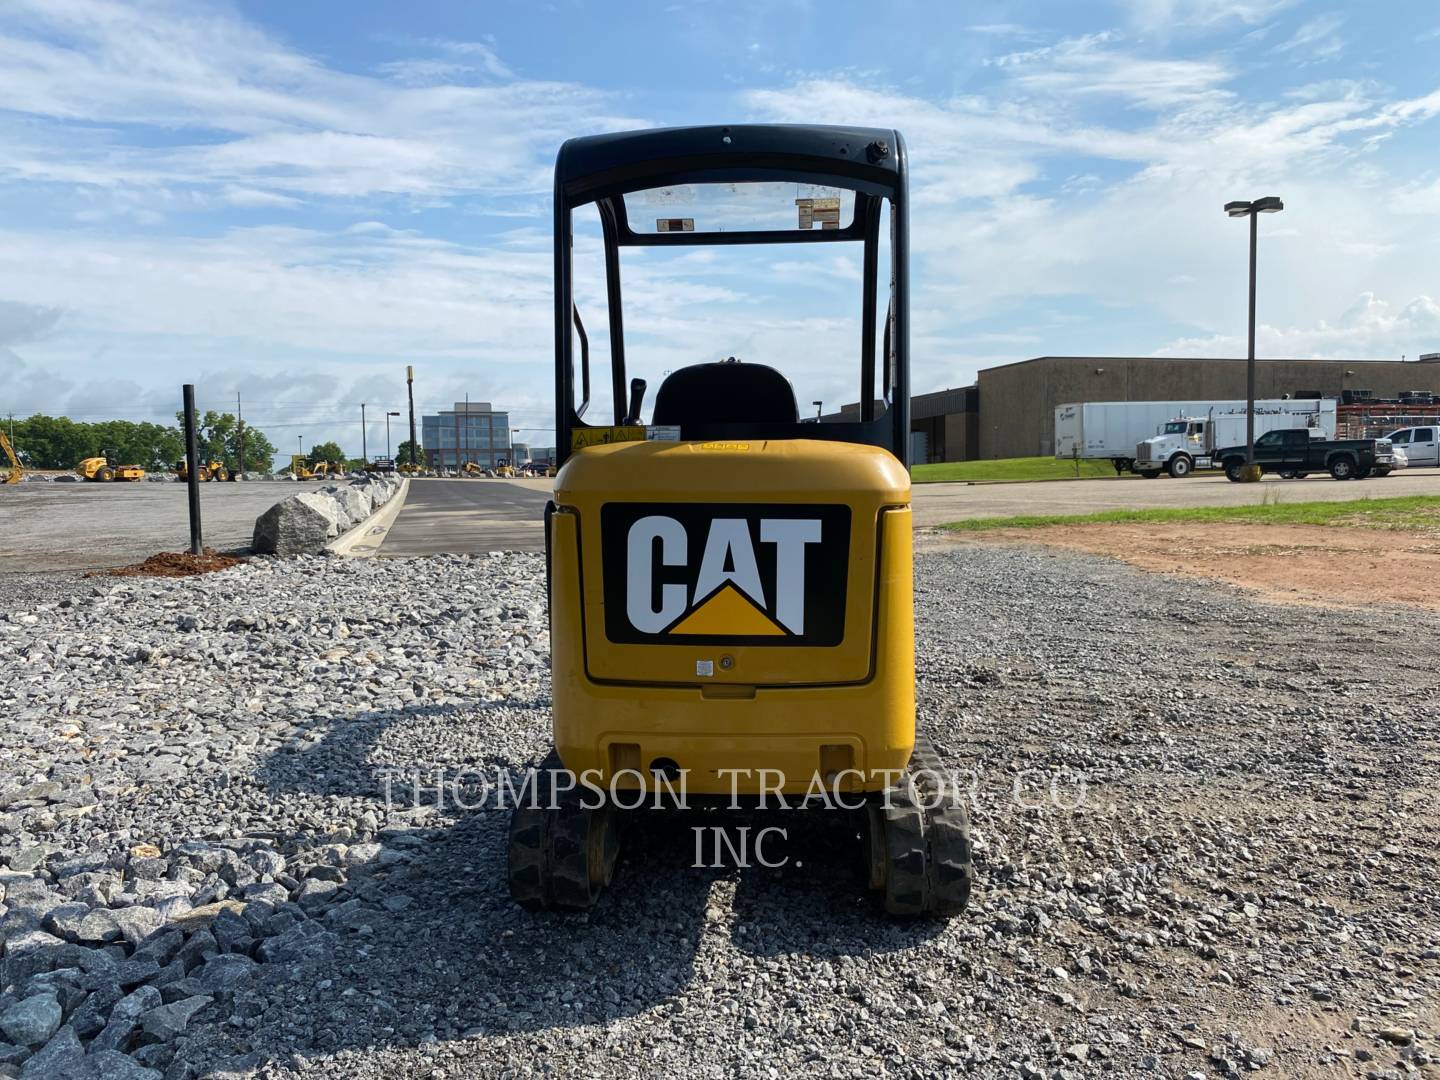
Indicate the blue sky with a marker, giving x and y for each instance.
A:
(293, 201)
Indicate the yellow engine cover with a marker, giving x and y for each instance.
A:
(733, 606)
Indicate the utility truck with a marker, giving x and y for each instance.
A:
(1175, 437)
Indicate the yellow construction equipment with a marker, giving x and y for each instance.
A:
(15, 473)
(730, 588)
(105, 468)
(328, 468)
(300, 468)
(209, 470)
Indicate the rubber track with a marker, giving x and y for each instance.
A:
(930, 870)
(549, 849)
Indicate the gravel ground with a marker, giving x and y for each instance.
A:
(1232, 870)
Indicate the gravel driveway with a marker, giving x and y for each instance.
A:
(1221, 858)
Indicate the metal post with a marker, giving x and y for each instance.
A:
(410, 389)
(1250, 364)
(364, 452)
(192, 469)
(240, 431)
(465, 431)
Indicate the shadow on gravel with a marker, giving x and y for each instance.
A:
(442, 952)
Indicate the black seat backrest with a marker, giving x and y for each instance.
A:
(725, 393)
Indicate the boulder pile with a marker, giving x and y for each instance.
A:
(303, 524)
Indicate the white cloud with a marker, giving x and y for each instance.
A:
(1206, 14)
(286, 123)
(1371, 328)
(1317, 38)
(1075, 189)
(1090, 65)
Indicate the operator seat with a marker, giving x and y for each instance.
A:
(727, 392)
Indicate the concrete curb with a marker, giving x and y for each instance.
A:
(364, 540)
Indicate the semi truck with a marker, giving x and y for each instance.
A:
(1175, 437)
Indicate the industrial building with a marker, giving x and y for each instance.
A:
(1010, 410)
(471, 431)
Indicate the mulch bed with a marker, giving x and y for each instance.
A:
(174, 564)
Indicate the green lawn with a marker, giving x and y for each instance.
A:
(1020, 468)
(1409, 513)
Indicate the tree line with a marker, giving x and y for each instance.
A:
(57, 442)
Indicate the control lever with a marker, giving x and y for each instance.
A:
(637, 397)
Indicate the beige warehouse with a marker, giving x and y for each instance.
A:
(1015, 403)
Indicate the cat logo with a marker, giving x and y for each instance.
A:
(725, 574)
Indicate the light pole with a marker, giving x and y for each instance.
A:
(300, 444)
(387, 431)
(1270, 204)
(817, 405)
(364, 455)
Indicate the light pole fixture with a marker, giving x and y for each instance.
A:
(1270, 204)
(387, 432)
(817, 405)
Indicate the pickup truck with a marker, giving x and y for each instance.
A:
(1292, 453)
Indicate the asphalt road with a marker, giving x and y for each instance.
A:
(86, 526)
(68, 527)
(505, 515)
(468, 516)
(935, 504)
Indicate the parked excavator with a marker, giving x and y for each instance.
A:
(105, 468)
(15, 473)
(730, 586)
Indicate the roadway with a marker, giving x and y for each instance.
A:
(936, 504)
(468, 516)
(508, 515)
(67, 527)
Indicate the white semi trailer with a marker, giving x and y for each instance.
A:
(1151, 437)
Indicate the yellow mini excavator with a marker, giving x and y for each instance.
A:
(730, 586)
(104, 468)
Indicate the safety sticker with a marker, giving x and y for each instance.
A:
(599, 436)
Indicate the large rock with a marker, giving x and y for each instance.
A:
(355, 502)
(298, 525)
(31, 1022)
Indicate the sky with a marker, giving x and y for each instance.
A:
(293, 201)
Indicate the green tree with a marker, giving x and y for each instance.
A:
(259, 451)
(53, 442)
(326, 451)
(218, 435)
(402, 455)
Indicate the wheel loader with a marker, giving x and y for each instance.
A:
(104, 469)
(730, 586)
(209, 470)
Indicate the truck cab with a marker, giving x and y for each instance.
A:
(1183, 444)
(1294, 453)
(1419, 444)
